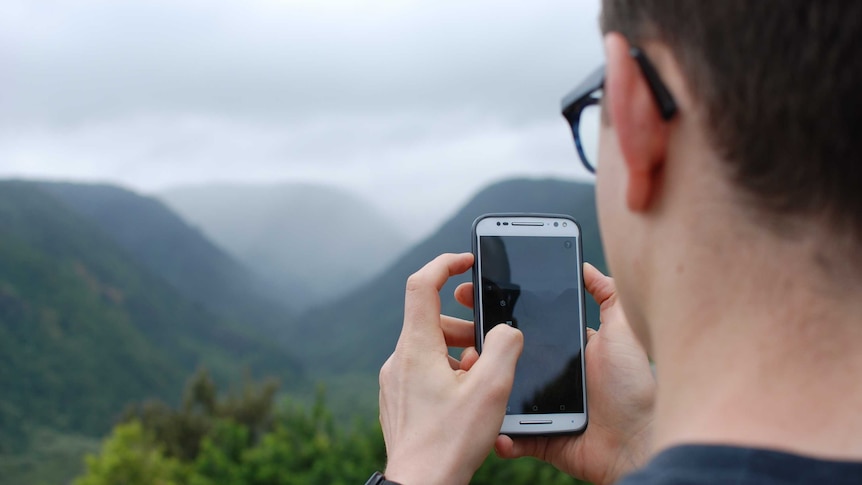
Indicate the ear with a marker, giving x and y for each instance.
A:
(640, 129)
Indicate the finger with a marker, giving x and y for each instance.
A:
(590, 333)
(454, 363)
(506, 447)
(469, 356)
(464, 294)
(500, 351)
(422, 299)
(597, 284)
(458, 332)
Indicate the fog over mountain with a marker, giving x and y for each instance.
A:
(413, 104)
(169, 248)
(326, 239)
(88, 325)
(358, 331)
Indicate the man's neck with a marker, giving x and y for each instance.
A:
(750, 352)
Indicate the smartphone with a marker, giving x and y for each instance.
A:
(528, 274)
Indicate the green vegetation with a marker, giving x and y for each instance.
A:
(51, 458)
(107, 298)
(85, 329)
(242, 438)
(168, 247)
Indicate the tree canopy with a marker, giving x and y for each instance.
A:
(244, 438)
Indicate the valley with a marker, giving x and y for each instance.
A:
(109, 297)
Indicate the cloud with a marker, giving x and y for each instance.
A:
(393, 162)
(365, 94)
(85, 60)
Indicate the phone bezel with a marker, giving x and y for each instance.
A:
(485, 225)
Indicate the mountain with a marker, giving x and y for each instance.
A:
(86, 328)
(305, 239)
(168, 247)
(359, 331)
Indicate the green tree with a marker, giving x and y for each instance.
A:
(242, 438)
(181, 431)
(307, 446)
(222, 456)
(130, 456)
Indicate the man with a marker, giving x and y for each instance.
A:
(729, 195)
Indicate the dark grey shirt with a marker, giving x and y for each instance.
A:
(728, 465)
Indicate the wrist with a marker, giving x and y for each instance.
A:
(633, 455)
(413, 476)
(423, 471)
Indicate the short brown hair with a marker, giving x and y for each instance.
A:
(781, 83)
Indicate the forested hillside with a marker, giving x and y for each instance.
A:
(85, 328)
(169, 247)
(107, 298)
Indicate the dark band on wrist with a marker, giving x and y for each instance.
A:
(379, 479)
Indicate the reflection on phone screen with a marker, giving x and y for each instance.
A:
(533, 284)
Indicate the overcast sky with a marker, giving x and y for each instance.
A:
(414, 104)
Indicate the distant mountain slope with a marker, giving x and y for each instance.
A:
(307, 239)
(359, 331)
(168, 247)
(84, 328)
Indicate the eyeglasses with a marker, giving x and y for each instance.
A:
(582, 107)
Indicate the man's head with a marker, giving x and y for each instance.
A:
(771, 112)
(780, 84)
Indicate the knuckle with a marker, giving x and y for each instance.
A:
(508, 336)
(415, 282)
(516, 337)
(385, 371)
(397, 366)
(497, 390)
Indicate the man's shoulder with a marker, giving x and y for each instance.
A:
(710, 464)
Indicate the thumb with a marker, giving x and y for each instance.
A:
(500, 352)
(601, 287)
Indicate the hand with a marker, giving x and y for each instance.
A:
(620, 396)
(440, 420)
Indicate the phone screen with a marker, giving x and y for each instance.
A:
(533, 283)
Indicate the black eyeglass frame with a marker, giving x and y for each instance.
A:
(574, 103)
